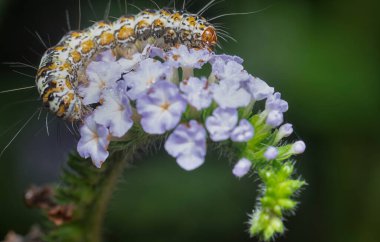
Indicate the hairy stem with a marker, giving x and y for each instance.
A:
(99, 209)
(88, 190)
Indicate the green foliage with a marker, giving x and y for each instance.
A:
(278, 187)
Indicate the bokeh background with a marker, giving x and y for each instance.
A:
(322, 55)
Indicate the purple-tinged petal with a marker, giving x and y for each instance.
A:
(161, 108)
(115, 113)
(243, 132)
(187, 143)
(231, 71)
(229, 95)
(106, 56)
(197, 92)
(147, 73)
(242, 167)
(182, 56)
(274, 102)
(275, 118)
(258, 88)
(271, 153)
(298, 147)
(101, 75)
(221, 123)
(94, 142)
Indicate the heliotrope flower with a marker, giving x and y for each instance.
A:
(115, 113)
(197, 92)
(146, 74)
(158, 92)
(161, 108)
(188, 145)
(221, 123)
(101, 75)
(242, 167)
(94, 141)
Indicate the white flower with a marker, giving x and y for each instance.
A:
(94, 142)
(258, 88)
(115, 113)
(242, 167)
(298, 147)
(161, 108)
(271, 153)
(101, 75)
(229, 95)
(184, 57)
(221, 123)
(243, 132)
(196, 92)
(147, 73)
(187, 143)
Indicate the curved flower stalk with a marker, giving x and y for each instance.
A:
(191, 99)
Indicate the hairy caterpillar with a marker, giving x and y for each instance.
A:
(62, 65)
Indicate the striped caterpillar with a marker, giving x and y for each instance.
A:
(63, 65)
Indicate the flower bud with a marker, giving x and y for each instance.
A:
(242, 167)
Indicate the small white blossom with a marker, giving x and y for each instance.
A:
(229, 95)
(197, 92)
(271, 153)
(298, 147)
(115, 113)
(187, 143)
(101, 75)
(147, 73)
(243, 132)
(161, 108)
(242, 167)
(221, 123)
(94, 142)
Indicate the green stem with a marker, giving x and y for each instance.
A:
(89, 189)
(97, 213)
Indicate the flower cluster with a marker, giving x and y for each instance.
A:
(148, 85)
(158, 91)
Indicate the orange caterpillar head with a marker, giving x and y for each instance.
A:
(209, 37)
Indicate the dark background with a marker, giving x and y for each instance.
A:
(322, 55)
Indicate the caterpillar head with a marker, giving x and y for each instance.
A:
(209, 37)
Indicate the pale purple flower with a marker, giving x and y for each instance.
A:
(101, 75)
(187, 144)
(197, 92)
(94, 142)
(221, 123)
(161, 108)
(187, 58)
(271, 153)
(127, 64)
(243, 132)
(231, 72)
(274, 102)
(285, 130)
(275, 118)
(229, 95)
(258, 88)
(226, 58)
(106, 56)
(242, 167)
(156, 52)
(298, 147)
(146, 74)
(115, 113)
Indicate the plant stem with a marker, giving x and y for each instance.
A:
(97, 214)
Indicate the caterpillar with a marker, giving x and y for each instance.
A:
(62, 66)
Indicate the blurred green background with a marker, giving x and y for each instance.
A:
(322, 55)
